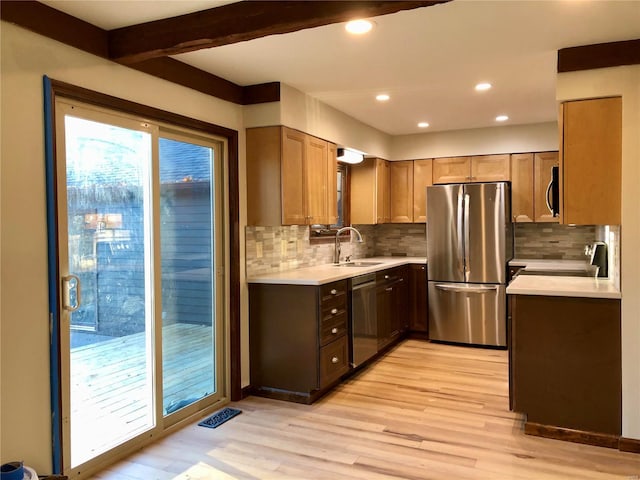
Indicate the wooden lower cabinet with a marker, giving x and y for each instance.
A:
(298, 339)
(418, 303)
(565, 366)
(392, 311)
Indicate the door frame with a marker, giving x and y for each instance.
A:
(53, 89)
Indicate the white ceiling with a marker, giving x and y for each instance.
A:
(428, 60)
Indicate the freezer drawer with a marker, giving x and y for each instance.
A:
(468, 313)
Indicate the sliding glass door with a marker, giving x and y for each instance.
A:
(140, 242)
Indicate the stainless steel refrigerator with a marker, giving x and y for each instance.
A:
(469, 243)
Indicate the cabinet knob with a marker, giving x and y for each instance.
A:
(334, 291)
(335, 360)
(422, 268)
(334, 330)
(334, 311)
(388, 289)
(386, 277)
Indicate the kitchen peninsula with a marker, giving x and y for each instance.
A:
(565, 357)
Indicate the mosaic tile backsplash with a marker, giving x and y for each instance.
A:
(552, 241)
(274, 249)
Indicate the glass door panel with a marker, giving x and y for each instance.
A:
(109, 253)
(188, 266)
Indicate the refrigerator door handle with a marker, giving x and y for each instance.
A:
(466, 237)
(478, 289)
(460, 221)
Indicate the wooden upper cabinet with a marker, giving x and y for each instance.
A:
(490, 168)
(383, 199)
(370, 192)
(422, 178)
(401, 191)
(480, 168)
(543, 163)
(291, 178)
(332, 184)
(522, 197)
(591, 162)
(451, 170)
(316, 178)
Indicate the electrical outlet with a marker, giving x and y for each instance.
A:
(258, 249)
(283, 248)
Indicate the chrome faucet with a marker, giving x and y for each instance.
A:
(336, 252)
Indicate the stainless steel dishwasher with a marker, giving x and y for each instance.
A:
(364, 324)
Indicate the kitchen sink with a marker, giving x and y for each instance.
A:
(358, 264)
(559, 273)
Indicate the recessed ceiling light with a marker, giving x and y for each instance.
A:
(481, 87)
(383, 97)
(358, 27)
(502, 118)
(423, 124)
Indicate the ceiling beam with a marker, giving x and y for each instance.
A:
(67, 29)
(239, 22)
(601, 55)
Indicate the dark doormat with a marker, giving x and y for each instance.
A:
(220, 417)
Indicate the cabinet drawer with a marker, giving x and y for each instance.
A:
(332, 328)
(334, 361)
(333, 292)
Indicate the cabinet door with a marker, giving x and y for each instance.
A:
(490, 168)
(592, 161)
(451, 170)
(400, 318)
(292, 172)
(401, 191)
(332, 184)
(316, 178)
(363, 193)
(422, 178)
(383, 204)
(384, 309)
(418, 307)
(522, 187)
(543, 163)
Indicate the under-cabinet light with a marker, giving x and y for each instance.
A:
(349, 156)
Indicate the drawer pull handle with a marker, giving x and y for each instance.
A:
(334, 291)
(334, 311)
(334, 330)
(335, 360)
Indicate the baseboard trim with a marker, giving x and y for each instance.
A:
(570, 435)
(629, 445)
(245, 392)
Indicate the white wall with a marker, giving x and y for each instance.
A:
(623, 81)
(478, 141)
(24, 329)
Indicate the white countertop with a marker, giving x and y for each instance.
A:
(563, 286)
(549, 264)
(321, 274)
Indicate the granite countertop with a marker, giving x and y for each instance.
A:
(321, 274)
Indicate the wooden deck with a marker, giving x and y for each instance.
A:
(423, 411)
(112, 390)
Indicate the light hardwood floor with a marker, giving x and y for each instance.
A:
(423, 411)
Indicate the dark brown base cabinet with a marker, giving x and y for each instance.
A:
(298, 339)
(392, 310)
(418, 304)
(565, 367)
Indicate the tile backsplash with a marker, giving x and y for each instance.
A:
(552, 241)
(280, 248)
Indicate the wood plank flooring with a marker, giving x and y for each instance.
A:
(423, 411)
